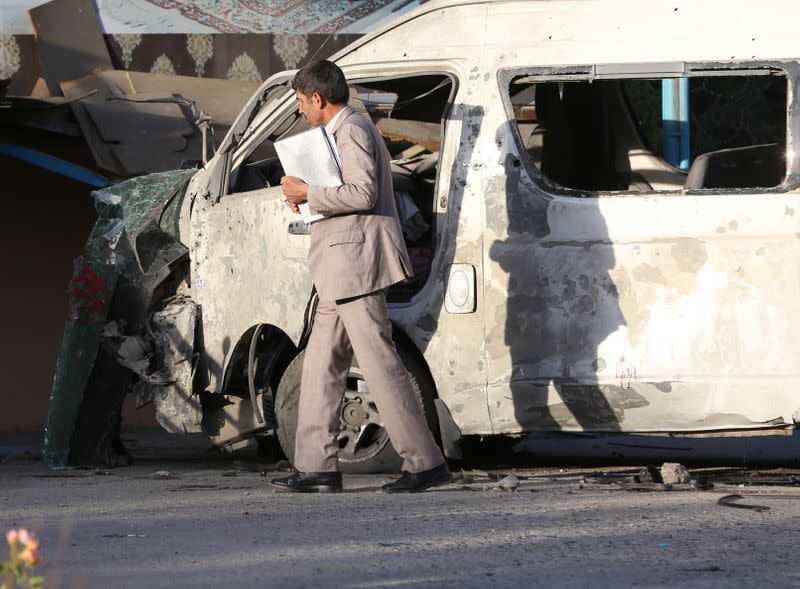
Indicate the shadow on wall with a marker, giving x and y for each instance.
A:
(561, 305)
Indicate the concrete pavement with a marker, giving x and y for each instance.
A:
(212, 522)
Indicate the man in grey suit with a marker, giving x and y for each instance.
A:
(357, 251)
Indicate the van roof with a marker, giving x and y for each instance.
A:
(569, 32)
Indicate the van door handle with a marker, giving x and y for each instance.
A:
(298, 228)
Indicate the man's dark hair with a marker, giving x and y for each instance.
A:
(325, 78)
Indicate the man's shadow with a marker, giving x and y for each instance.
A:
(561, 305)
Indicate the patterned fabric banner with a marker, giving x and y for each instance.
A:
(223, 16)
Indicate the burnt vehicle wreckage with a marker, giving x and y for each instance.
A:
(573, 278)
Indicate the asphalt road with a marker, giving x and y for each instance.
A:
(212, 522)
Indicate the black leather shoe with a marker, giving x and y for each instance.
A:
(309, 482)
(414, 482)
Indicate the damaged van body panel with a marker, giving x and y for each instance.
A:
(622, 332)
(243, 275)
(569, 277)
(593, 320)
(453, 344)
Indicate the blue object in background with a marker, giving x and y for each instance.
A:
(675, 116)
(54, 164)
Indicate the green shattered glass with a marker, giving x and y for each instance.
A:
(143, 198)
(124, 210)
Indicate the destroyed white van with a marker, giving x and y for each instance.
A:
(601, 204)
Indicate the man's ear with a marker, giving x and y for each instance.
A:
(318, 100)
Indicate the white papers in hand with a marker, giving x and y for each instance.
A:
(310, 157)
(308, 217)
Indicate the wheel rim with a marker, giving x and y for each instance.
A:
(361, 432)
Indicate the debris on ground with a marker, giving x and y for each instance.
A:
(653, 487)
(649, 474)
(163, 474)
(701, 484)
(463, 479)
(509, 483)
(672, 476)
(734, 494)
(283, 466)
(674, 473)
(749, 478)
(246, 466)
(735, 484)
(733, 501)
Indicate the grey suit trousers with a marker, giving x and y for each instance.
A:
(360, 325)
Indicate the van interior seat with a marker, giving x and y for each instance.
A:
(755, 166)
(417, 176)
(655, 173)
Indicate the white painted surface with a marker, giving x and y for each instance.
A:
(569, 32)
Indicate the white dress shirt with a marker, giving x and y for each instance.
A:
(329, 131)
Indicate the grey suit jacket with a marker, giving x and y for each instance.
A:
(358, 248)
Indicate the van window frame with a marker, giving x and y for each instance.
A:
(287, 105)
(626, 71)
(436, 232)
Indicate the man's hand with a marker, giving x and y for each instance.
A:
(295, 191)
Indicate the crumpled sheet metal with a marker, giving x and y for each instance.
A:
(90, 293)
(121, 208)
(178, 410)
(134, 352)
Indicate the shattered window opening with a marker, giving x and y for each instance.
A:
(409, 112)
(395, 106)
(273, 94)
(606, 135)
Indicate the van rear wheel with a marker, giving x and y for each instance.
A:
(364, 445)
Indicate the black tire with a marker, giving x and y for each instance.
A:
(369, 450)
